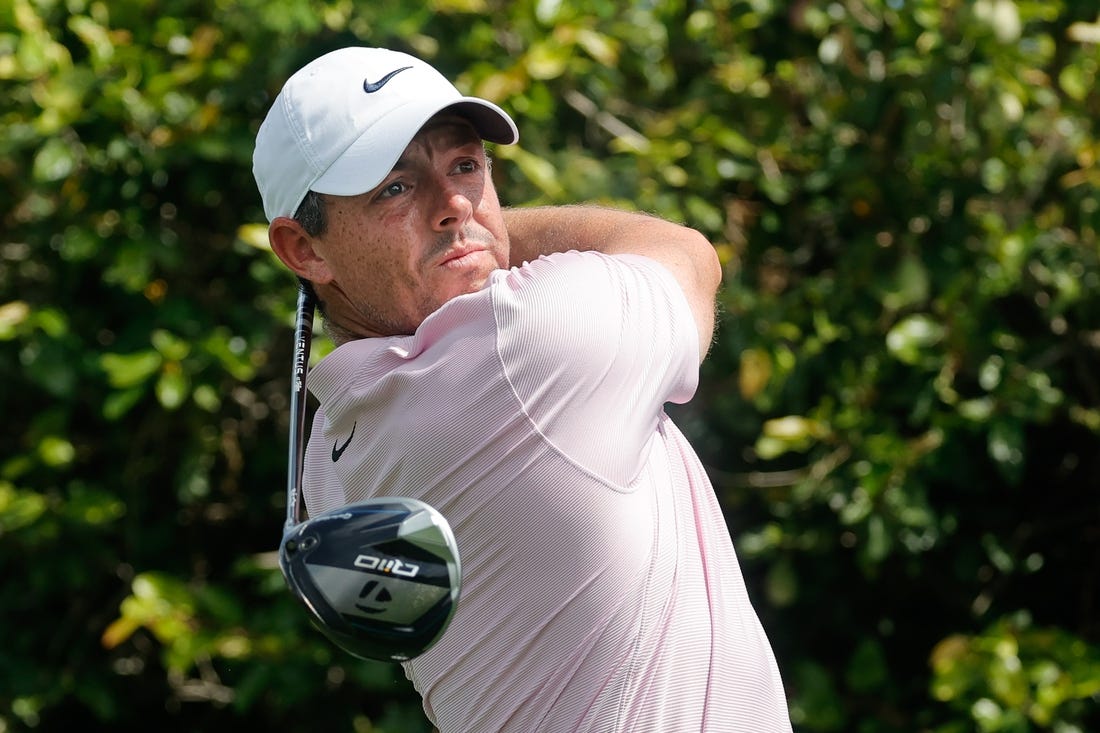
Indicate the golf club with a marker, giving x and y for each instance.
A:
(379, 578)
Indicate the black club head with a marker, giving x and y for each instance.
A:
(380, 578)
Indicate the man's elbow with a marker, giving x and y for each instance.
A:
(708, 267)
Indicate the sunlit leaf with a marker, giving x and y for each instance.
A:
(56, 451)
(119, 631)
(55, 161)
(19, 508)
(170, 346)
(254, 235)
(911, 337)
(172, 387)
(546, 60)
(128, 370)
(12, 315)
(755, 372)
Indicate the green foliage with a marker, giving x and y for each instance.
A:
(1014, 677)
(901, 411)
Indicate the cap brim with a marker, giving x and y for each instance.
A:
(369, 159)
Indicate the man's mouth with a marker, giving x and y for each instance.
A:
(460, 256)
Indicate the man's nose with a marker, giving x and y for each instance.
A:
(454, 208)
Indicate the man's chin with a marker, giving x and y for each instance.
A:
(467, 286)
(470, 275)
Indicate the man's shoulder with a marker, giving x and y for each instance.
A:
(558, 278)
(575, 259)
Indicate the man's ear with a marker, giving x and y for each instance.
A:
(291, 244)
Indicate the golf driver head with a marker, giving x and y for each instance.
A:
(379, 578)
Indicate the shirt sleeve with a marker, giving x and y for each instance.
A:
(593, 346)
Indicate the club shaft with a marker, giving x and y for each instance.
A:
(303, 337)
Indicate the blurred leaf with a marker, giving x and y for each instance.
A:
(754, 372)
(18, 508)
(816, 705)
(782, 584)
(173, 387)
(129, 370)
(867, 669)
(55, 161)
(171, 347)
(56, 451)
(911, 338)
(254, 235)
(12, 315)
(92, 506)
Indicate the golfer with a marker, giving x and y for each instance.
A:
(510, 368)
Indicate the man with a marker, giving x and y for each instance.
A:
(510, 368)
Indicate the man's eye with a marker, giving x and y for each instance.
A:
(467, 166)
(391, 189)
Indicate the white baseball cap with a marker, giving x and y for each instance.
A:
(341, 122)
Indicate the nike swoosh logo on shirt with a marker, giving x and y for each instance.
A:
(370, 87)
(339, 451)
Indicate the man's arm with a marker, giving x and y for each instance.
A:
(683, 251)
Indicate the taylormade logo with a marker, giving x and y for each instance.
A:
(396, 567)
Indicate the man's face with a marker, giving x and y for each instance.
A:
(432, 230)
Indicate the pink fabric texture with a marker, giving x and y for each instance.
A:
(601, 591)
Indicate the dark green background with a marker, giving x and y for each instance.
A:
(901, 413)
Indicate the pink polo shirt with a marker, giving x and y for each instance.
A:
(600, 589)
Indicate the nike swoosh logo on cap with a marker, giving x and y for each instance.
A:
(370, 87)
(339, 451)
